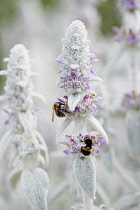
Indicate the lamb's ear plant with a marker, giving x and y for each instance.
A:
(29, 148)
(128, 35)
(78, 106)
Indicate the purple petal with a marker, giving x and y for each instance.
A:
(74, 149)
(87, 86)
(63, 86)
(94, 60)
(66, 152)
(103, 143)
(131, 3)
(86, 78)
(6, 122)
(61, 100)
(6, 111)
(100, 138)
(58, 61)
(85, 97)
(73, 74)
(73, 140)
(76, 109)
(87, 136)
(91, 71)
(74, 84)
(98, 151)
(63, 142)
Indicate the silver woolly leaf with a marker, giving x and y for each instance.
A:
(35, 185)
(133, 131)
(4, 142)
(61, 129)
(44, 153)
(73, 101)
(98, 127)
(85, 172)
(26, 123)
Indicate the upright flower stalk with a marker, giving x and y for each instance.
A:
(78, 106)
(76, 60)
(129, 36)
(29, 147)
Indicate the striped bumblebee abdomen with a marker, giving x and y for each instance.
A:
(86, 150)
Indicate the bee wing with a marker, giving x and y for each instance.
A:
(53, 114)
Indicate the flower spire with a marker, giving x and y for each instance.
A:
(78, 106)
(30, 148)
(76, 60)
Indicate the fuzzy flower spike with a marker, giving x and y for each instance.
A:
(76, 77)
(29, 148)
(76, 60)
(79, 106)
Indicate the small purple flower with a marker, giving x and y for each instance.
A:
(63, 86)
(74, 149)
(74, 84)
(86, 78)
(131, 3)
(85, 97)
(98, 151)
(87, 136)
(61, 100)
(6, 122)
(6, 111)
(94, 60)
(73, 74)
(91, 71)
(64, 78)
(66, 97)
(58, 61)
(128, 95)
(76, 109)
(101, 141)
(95, 109)
(133, 37)
(87, 86)
(73, 140)
(66, 152)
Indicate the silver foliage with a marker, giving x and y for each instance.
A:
(35, 186)
(85, 172)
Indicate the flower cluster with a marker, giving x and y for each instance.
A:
(131, 101)
(84, 108)
(126, 35)
(75, 144)
(76, 61)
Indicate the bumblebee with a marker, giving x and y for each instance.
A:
(59, 109)
(88, 148)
